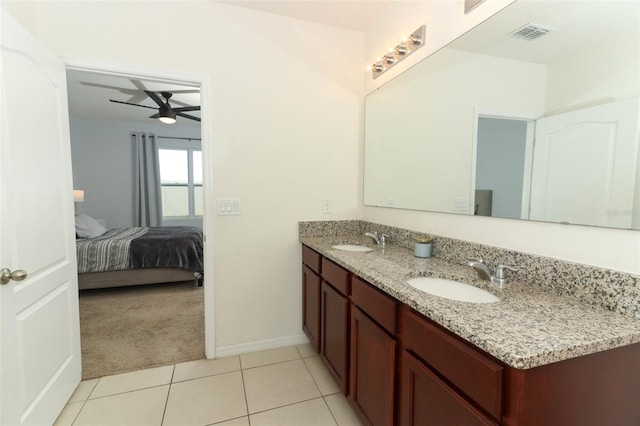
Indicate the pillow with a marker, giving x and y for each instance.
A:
(88, 227)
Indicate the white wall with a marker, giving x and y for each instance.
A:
(605, 73)
(286, 115)
(609, 248)
(103, 165)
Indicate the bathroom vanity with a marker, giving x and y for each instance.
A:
(405, 357)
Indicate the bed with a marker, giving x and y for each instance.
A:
(139, 255)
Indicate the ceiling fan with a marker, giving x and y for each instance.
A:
(166, 113)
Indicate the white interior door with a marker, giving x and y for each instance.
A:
(584, 166)
(40, 339)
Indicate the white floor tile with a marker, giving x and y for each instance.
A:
(135, 380)
(307, 413)
(142, 407)
(83, 390)
(323, 378)
(280, 384)
(270, 356)
(205, 367)
(68, 414)
(207, 400)
(342, 411)
(306, 350)
(283, 387)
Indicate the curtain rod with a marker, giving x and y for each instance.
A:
(175, 137)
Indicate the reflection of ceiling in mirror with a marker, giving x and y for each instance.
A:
(575, 24)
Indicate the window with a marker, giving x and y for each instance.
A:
(181, 182)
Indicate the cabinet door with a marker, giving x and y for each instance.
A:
(373, 354)
(311, 306)
(335, 333)
(426, 400)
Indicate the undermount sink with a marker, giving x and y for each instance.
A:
(351, 247)
(453, 290)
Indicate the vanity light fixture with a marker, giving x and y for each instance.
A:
(407, 46)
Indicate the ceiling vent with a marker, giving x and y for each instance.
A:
(531, 32)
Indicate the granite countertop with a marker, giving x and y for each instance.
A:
(527, 328)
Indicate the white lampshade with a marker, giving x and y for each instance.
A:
(78, 195)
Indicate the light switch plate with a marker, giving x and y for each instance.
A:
(228, 207)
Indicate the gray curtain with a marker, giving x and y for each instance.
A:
(148, 198)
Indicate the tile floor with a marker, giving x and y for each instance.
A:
(285, 386)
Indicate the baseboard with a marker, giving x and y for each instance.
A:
(261, 345)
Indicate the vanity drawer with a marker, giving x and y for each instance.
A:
(335, 275)
(375, 303)
(311, 259)
(476, 375)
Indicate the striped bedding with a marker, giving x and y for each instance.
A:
(108, 252)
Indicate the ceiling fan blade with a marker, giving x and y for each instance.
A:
(138, 84)
(136, 99)
(187, 108)
(119, 89)
(190, 117)
(155, 97)
(129, 103)
(156, 115)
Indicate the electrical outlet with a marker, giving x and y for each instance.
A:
(326, 206)
(460, 204)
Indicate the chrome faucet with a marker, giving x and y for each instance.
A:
(380, 239)
(484, 272)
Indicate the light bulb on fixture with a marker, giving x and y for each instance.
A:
(401, 50)
(167, 120)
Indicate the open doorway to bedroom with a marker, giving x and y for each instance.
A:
(139, 184)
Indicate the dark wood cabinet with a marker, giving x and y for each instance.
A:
(398, 367)
(311, 286)
(425, 399)
(373, 357)
(335, 333)
(311, 306)
(373, 353)
(444, 378)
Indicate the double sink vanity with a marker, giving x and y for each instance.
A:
(406, 350)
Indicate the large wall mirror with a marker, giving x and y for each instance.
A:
(533, 114)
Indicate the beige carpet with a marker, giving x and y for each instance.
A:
(131, 328)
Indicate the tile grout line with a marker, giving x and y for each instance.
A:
(244, 388)
(320, 390)
(75, 418)
(166, 402)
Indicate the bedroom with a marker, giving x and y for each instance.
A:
(108, 168)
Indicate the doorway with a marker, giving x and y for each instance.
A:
(501, 172)
(138, 73)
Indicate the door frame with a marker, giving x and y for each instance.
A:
(530, 118)
(99, 66)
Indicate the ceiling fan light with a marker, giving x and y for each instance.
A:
(167, 119)
(166, 115)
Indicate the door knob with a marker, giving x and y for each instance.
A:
(6, 275)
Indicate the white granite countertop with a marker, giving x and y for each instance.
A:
(527, 328)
